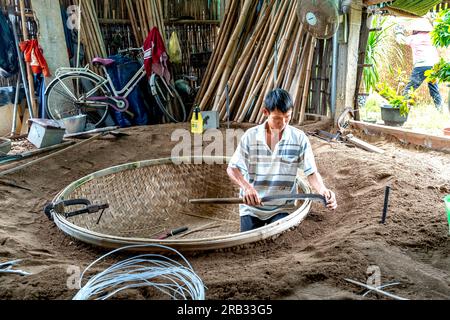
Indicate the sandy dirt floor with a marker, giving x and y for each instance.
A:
(311, 262)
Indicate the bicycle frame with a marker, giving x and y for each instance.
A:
(117, 94)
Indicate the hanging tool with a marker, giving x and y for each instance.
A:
(33, 107)
(299, 196)
(23, 70)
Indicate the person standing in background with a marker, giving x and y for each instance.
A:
(425, 56)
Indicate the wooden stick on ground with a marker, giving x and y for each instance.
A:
(31, 163)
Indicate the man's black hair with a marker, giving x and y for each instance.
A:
(279, 99)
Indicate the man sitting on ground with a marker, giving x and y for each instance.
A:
(267, 160)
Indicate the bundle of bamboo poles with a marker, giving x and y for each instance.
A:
(111, 9)
(144, 15)
(197, 9)
(258, 49)
(91, 35)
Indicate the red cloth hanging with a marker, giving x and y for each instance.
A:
(33, 54)
(155, 55)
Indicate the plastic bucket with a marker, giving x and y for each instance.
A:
(447, 207)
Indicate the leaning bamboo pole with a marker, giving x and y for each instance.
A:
(300, 78)
(33, 106)
(134, 24)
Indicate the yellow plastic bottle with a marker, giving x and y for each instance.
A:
(197, 122)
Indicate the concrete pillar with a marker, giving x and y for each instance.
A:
(51, 34)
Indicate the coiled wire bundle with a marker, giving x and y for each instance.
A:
(170, 277)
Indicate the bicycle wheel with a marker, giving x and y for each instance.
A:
(168, 99)
(66, 96)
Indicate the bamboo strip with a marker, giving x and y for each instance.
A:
(306, 89)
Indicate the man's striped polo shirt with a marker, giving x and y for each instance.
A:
(272, 172)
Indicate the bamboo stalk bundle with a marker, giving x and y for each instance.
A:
(91, 35)
(223, 38)
(134, 22)
(227, 58)
(271, 51)
(144, 15)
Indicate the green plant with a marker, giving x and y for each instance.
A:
(395, 98)
(441, 32)
(379, 52)
(441, 38)
(440, 72)
(375, 53)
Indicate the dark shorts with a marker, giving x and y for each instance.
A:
(251, 223)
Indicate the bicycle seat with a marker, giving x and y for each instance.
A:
(105, 62)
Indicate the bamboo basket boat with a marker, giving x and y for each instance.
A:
(150, 198)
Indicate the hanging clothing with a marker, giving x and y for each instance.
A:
(9, 63)
(155, 55)
(33, 54)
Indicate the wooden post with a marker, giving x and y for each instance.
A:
(352, 55)
(348, 62)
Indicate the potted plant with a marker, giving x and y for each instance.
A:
(395, 112)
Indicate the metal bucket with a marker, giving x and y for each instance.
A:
(74, 124)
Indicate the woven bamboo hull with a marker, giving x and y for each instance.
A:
(150, 198)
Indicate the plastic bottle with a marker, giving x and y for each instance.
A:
(197, 121)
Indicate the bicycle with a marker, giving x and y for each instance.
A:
(81, 91)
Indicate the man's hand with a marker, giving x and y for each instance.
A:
(251, 197)
(331, 199)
